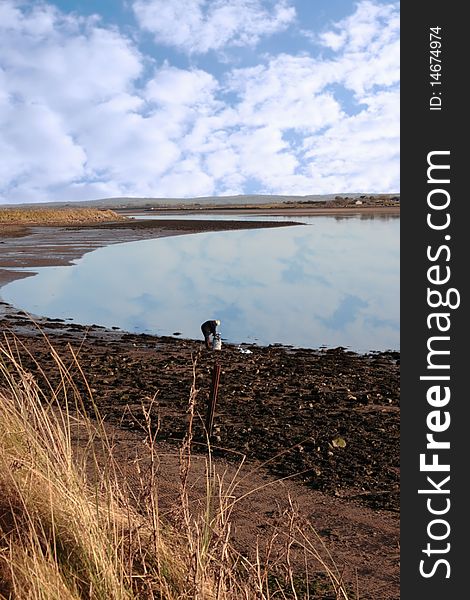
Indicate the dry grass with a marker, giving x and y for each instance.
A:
(67, 535)
(64, 216)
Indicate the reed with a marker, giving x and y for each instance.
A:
(63, 216)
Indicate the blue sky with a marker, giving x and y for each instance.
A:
(187, 98)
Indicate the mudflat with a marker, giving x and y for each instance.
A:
(328, 420)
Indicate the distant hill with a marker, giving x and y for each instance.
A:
(207, 201)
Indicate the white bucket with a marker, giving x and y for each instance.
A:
(217, 342)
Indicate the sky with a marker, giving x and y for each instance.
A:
(191, 98)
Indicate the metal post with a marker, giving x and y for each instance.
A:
(212, 398)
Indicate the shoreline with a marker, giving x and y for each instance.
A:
(35, 245)
(295, 373)
(327, 418)
(78, 240)
(28, 246)
(280, 412)
(271, 399)
(275, 211)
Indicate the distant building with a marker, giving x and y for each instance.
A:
(358, 201)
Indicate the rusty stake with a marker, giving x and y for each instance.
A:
(212, 398)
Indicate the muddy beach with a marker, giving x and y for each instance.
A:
(327, 418)
(291, 407)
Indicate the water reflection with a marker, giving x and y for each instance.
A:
(333, 283)
(260, 217)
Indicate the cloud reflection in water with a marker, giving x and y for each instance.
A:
(332, 283)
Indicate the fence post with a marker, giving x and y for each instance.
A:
(212, 398)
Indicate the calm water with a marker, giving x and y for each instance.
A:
(334, 282)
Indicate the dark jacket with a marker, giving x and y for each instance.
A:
(209, 328)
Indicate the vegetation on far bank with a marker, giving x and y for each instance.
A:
(266, 202)
(63, 216)
(377, 201)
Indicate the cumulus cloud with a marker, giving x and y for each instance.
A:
(359, 152)
(370, 26)
(85, 113)
(197, 26)
(170, 86)
(315, 144)
(366, 47)
(288, 92)
(56, 79)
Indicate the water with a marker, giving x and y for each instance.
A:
(219, 217)
(334, 282)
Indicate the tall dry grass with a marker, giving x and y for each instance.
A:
(53, 216)
(72, 528)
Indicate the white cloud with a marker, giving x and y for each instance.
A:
(332, 40)
(287, 93)
(370, 25)
(85, 114)
(57, 79)
(27, 130)
(179, 86)
(369, 45)
(359, 153)
(315, 145)
(71, 62)
(186, 179)
(197, 26)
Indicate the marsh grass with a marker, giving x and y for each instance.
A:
(72, 527)
(50, 216)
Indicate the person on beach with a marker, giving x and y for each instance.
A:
(209, 328)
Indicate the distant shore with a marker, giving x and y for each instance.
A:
(275, 211)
